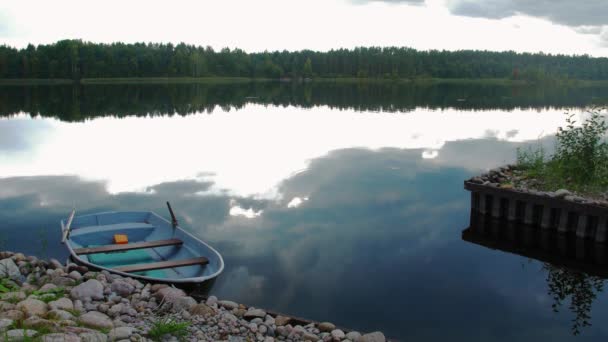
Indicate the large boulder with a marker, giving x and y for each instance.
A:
(183, 303)
(201, 309)
(376, 336)
(91, 288)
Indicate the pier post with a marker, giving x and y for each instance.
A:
(545, 222)
(512, 210)
(482, 203)
(496, 207)
(581, 226)
(563, 221)
(600, 233)
(529, 213)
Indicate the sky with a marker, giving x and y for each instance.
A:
(550, 26)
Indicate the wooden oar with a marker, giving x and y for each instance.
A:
(173, 219)
(66, 229)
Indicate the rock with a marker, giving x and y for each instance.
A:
(309, 336)
(47, 287)
(19, 334)
(561, 193)
(8, 269)
(183, 303)
(326, 326)
(157, 287)
(38, 323)
(281, 320)
(60, 337)
(54, 264)
(32, 307)
(120, 333)
(230, 305)
(253, 313)
(5, 323)
(201, 310)
(169, 294)
(16, 315)
(13, 296)
(337, 334)
(75, 275)
(122, 288)
(116, 309)
(372, 337)
(94, 319)
(353, 335)
(59, 315)
(63, 281)
(61, 304)
(93, 336)
(19, 257)
(211, 300)
(92, 288)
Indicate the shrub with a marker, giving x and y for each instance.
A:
(165, 326)
(580, 161)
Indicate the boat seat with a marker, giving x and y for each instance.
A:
(127, 247)
(162, 264)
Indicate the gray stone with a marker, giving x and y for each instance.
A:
(372, 337)
(59, 337)
(59, 315)
(5, 323)
(20, 334)
(230, 305)
(353, 335)
(122, 288)
(15, 315)
(169, 294)
(8, 269)
(326, 326)
(35, 322)
(282, 320)
(561, 193)
(75, 275)
(120, 333)
(13, 296)
(183, 303)
(310, 337)
(201, 310)
(47, 287)
(211, 300)
(92, 288)
(253, 313)
(32, 307)
(61, 304)
(93, 336)
(337, 334)
(96, 319)
(53, 264)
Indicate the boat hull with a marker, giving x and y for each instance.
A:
(97, 231)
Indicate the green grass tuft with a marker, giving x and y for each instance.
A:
(165, 326)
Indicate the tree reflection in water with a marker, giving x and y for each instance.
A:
(580, 287)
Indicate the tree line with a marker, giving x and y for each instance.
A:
(76, 59)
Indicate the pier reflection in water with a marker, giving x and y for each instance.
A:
(576, 268)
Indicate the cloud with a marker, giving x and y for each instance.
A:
(408, 2)
(565, 12)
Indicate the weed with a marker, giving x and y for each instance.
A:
(165, 326)
(580, 161)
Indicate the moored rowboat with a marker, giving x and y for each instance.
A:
(140, 245)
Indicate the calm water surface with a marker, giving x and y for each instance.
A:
(332, 202)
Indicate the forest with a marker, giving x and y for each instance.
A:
(76, 59)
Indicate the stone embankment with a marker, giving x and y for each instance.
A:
(48, 301)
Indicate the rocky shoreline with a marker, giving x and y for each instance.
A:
(47, 301)
(511, 177)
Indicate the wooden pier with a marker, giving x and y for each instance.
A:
(584, 220)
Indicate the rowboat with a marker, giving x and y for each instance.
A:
(140, 245)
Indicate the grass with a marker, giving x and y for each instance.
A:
(165, 326)
(580, 161)
(50, 295)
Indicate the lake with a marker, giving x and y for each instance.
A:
(338, 202)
